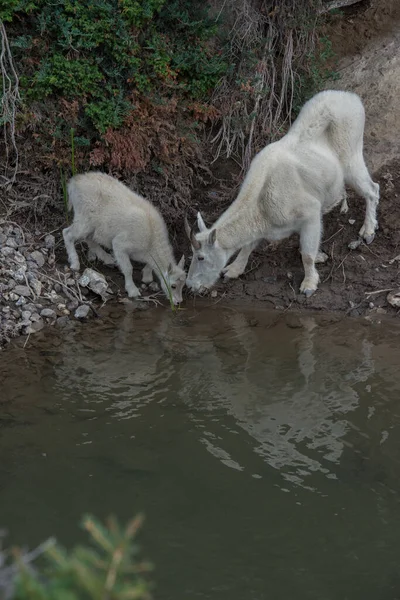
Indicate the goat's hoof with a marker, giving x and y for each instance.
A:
(307, 292)
(368, 239)
(230, 274)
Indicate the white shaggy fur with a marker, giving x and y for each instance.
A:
(107, 213)
(289, 186)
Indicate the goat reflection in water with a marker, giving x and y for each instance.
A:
(291, 391)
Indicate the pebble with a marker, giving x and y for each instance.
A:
(48, 313)
(82, 311)
(38, 258)
(11, 243)
(36, 286)
(22, 290)
(49, 241)
(6, 251)
(19, 274)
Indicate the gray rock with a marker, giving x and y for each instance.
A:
(35, 285)
(21, 301)
(35, 326)
(48, 313)
(62, 321)
(31, 307)
(94, 281)
(12, 296)
(82, 311)
(49, 241)
(19, 258)
(22, 290)
(35, 317)
(354, 244)
(26, 315)
(19, 274)
(11, 243)
(54, 297)
(6, 251)
(38, 258)
(73, 305)
(31, 265)
(2, 239)
(394, 298)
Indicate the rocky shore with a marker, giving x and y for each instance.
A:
(34, 292)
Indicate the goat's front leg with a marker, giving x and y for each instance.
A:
(96, 251)
(147, 274)
(70, 235)
(123, 260)
(310, 238)
(238, 266)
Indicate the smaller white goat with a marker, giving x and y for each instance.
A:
(107, 213)
(289, 186)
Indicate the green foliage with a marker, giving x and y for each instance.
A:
(100, 53)
(108, 569)
(318, 73)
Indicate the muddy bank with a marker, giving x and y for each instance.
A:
(37, 287)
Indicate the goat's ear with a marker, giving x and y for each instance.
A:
(212, 237)
(200, 223)
(181, 263)
(170, 269)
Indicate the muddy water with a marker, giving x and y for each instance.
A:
(266, 457)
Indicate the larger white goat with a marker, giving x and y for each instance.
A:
(106, 212)
(289, 186)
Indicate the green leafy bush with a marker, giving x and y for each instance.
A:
(101, 53)
(108, 568)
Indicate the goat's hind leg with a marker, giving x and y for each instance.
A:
(310, 239)
(359, 179)
(96, 251)
(147, 274)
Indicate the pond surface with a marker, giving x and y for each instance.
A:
(266, 458)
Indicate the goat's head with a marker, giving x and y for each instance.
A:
(208, 257)
(173, 282)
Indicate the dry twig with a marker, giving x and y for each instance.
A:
(9, 103)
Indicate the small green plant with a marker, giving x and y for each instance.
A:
(167, 285)
(107, 569)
